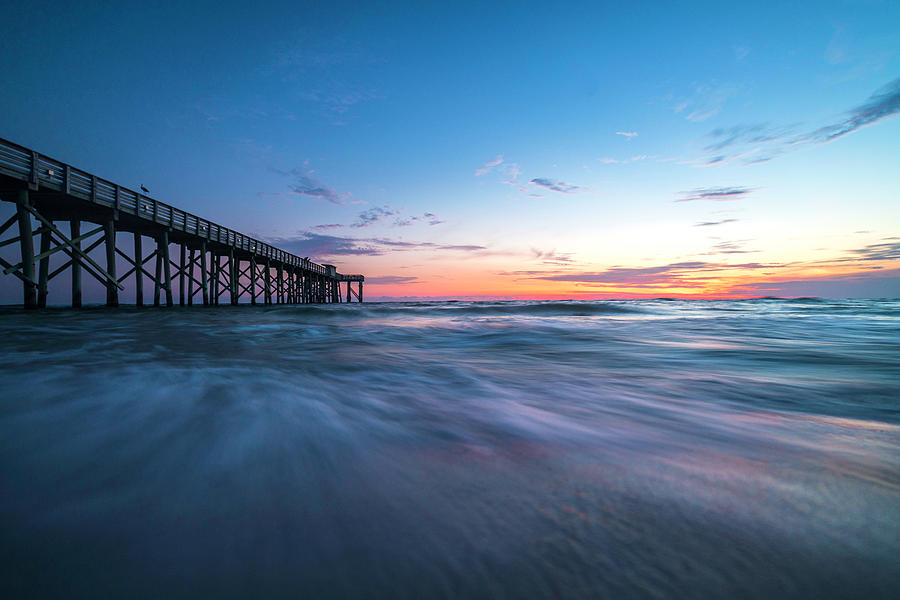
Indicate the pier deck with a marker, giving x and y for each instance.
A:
(211, 261)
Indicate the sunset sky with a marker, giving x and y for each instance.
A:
(533, 150)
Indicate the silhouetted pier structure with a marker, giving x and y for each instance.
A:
(212, 261)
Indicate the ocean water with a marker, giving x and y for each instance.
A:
(635, 449)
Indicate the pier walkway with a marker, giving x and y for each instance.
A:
(211, 261)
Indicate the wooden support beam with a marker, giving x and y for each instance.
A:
(181, 276)
(233, 275)
(218, 277)
(218, 270)
(204, 274)
(252, 279)
(127, 274)
(17, 273)
(243, 273)
(191, 262)
(214, 278)
(167, 272)
(177, 270)
(75, 231)
(112, 286)
(139, 272)
(280, 276)
(157, 278)
(289, 285)
(26, 244)
(223, 281)
(44, 268)
(127, 258)
(73, 257)
(10, 241)
(268, 282)
(7, 224)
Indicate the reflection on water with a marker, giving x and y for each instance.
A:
(418, 450)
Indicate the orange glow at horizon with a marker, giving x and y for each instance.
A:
(703, 283)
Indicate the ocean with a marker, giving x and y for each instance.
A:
(622, 449)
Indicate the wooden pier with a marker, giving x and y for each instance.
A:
(210, 261)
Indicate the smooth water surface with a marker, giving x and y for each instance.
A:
(643, 449)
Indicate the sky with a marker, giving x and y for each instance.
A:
(493, 150)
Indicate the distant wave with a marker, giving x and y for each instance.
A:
(559, 309)
(512, 308)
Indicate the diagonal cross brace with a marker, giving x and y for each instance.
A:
(71, 256)
(72, 247)
(60, 246)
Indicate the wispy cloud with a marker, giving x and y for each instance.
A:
(884, 251)
(528, 274)
(461, 247)
(762, 142)
(327, 226)
(706, 101)
(314, 245)
(372, 216)
(627, 134)
(305, 185)
(713, 223)
(556, 186)
(391, 280)
(428, 218)
(489, 165)
(621, 161)
(718, 194)
(313, 69)
(729, 247)
(433, 219)
(552, 257)
(687, 274)
(741, 52)
(631, 274)
(319, 245)
(882, 104)
(869, 284)
(758, 133)
(512, 172)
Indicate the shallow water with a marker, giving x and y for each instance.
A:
(641, 449)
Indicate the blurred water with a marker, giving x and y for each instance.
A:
(474, 450)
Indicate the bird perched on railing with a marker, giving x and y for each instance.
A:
(145, 190)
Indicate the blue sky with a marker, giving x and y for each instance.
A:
(515, 149)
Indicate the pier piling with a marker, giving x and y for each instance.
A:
(75, 230)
